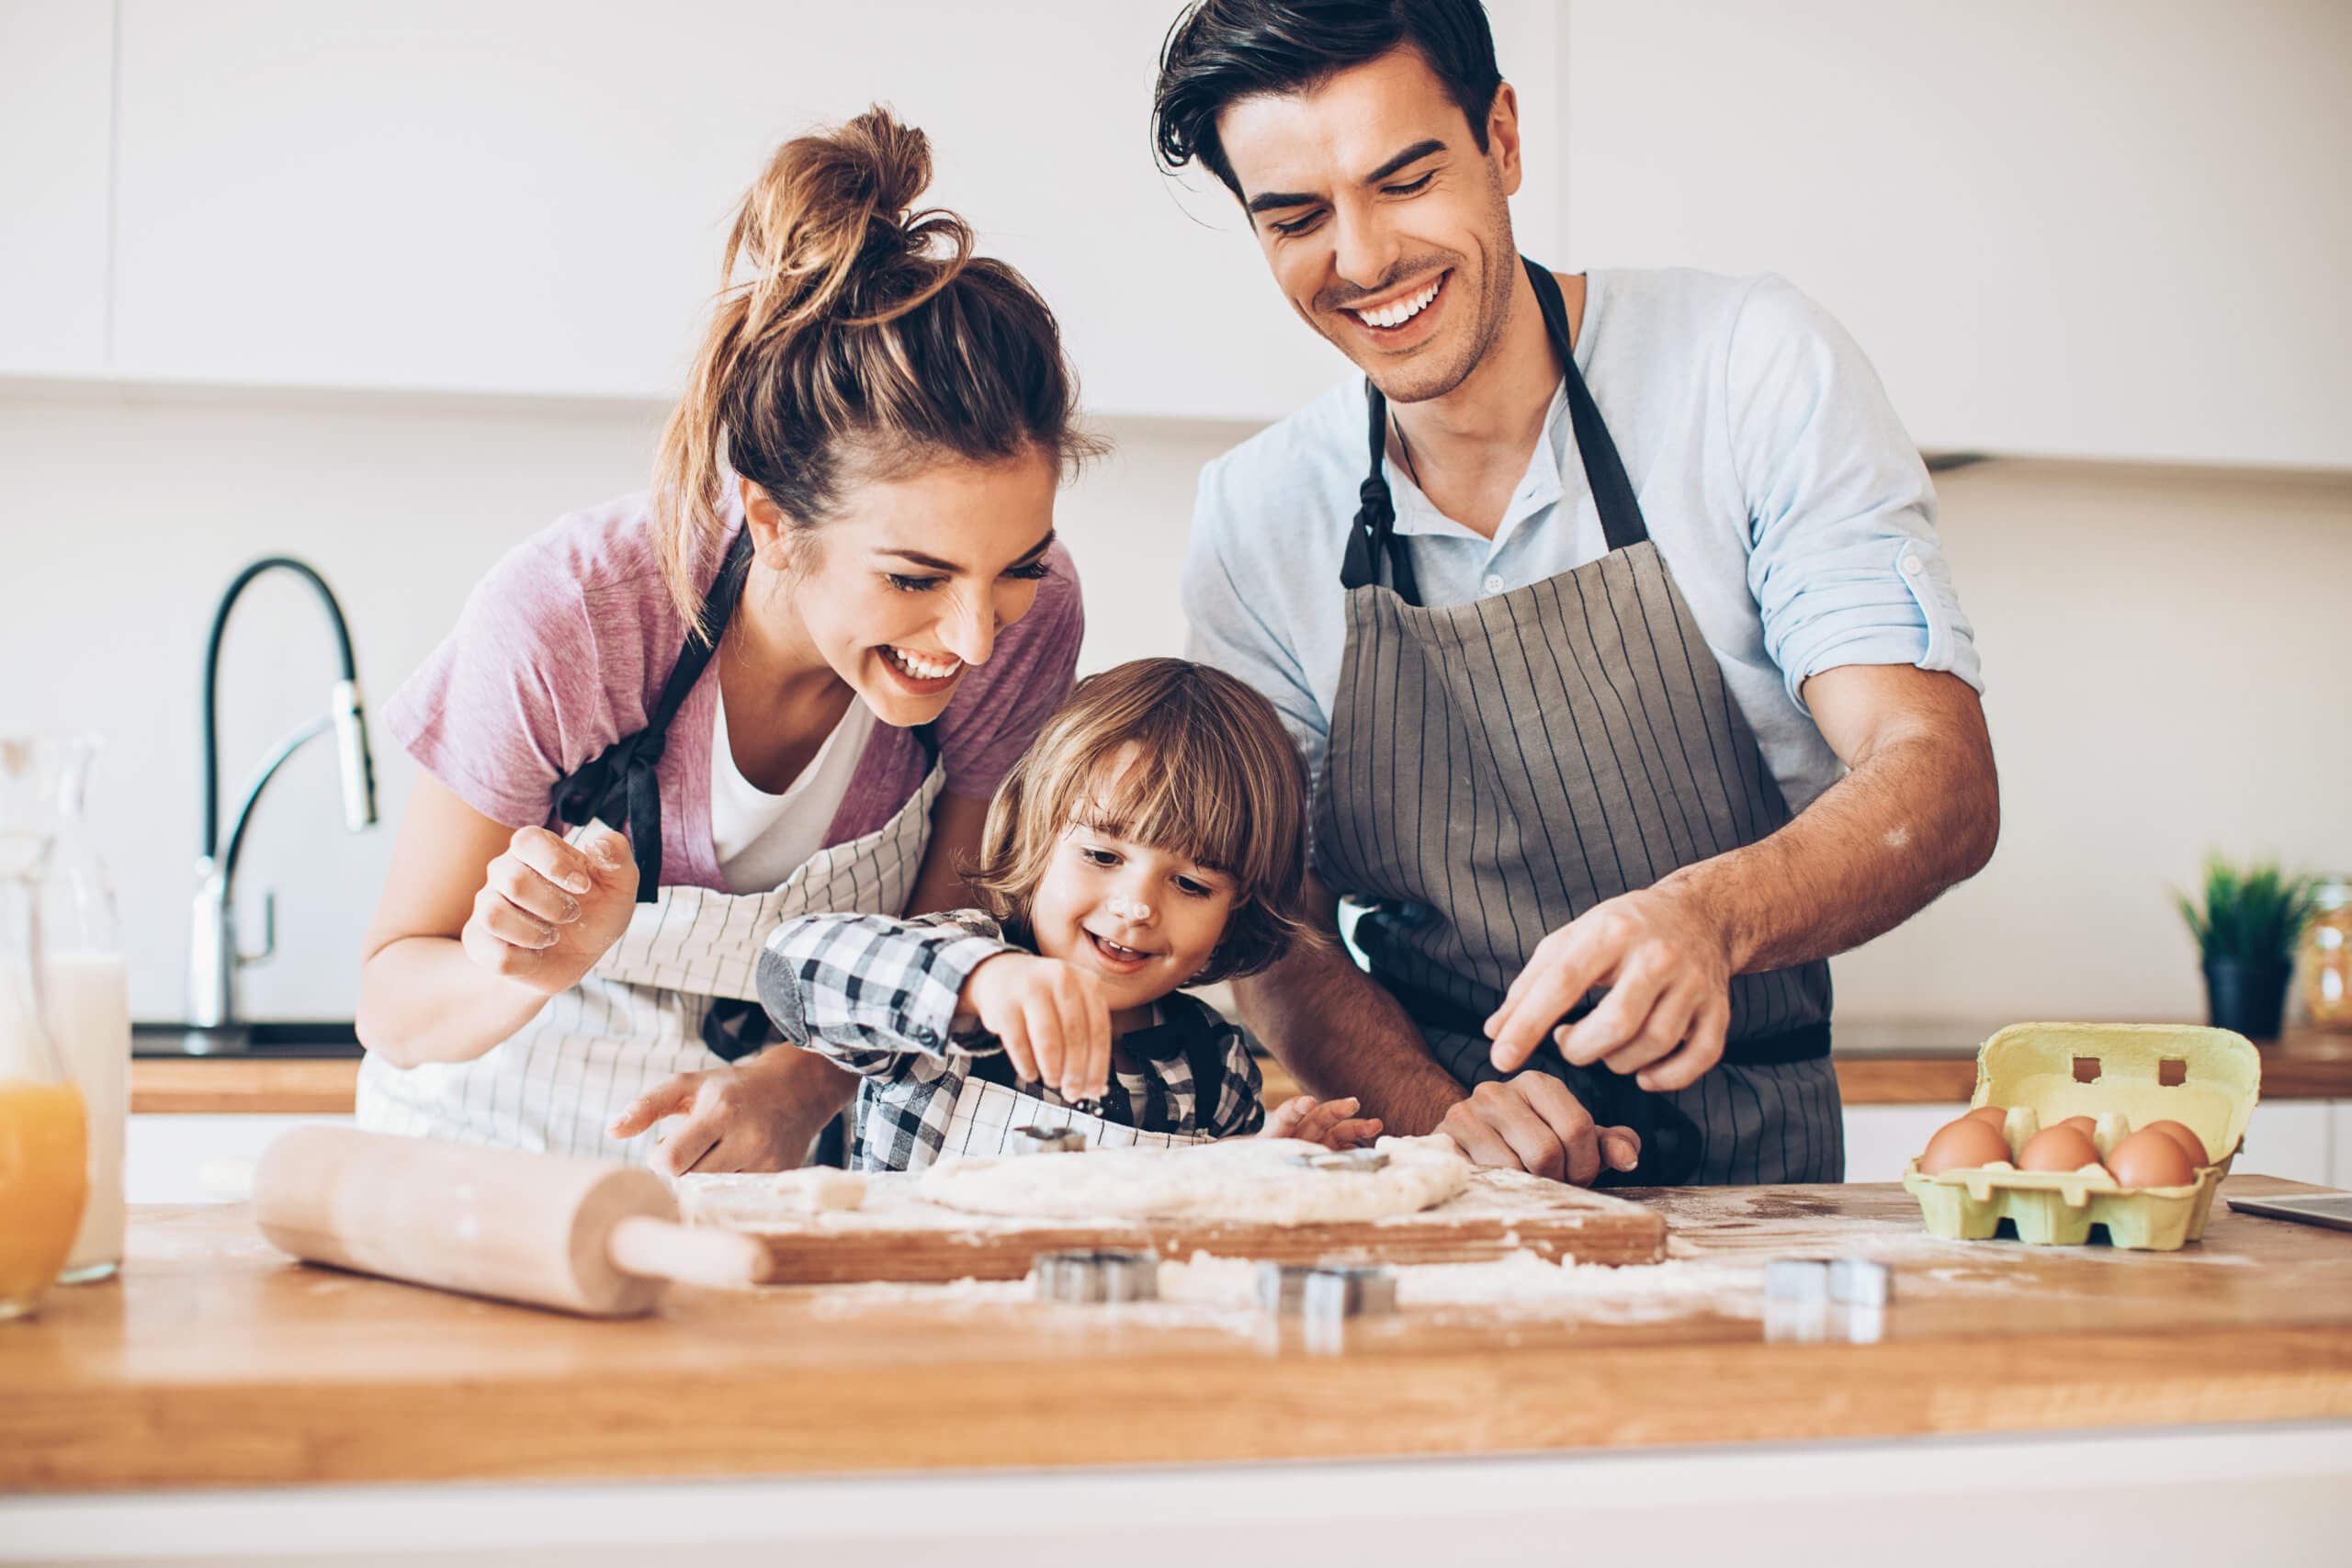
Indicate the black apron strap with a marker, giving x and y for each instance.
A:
(1613, 492)
(620, 785)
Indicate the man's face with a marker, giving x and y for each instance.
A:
(1386, 228)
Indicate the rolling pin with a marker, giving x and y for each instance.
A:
(581, 1236)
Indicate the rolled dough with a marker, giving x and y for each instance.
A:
(1256, 1179)
(747, 1199)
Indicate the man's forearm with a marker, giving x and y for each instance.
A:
(1919, 811)
(1341, 1035)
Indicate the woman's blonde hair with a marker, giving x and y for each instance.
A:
(1215, 778)
(851, 329)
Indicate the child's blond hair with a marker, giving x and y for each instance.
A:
(1217, 780)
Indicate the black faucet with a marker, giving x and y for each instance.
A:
(214, 956)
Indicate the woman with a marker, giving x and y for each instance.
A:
(793, 674)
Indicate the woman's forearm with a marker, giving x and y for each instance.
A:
(421, 999)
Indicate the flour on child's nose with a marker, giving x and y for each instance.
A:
(1128, 908)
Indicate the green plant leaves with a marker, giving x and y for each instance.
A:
(2258, 912)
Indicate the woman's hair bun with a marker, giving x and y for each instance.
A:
(830, 230)
(853, 332)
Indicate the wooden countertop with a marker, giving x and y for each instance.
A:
(1878, 1063)
(215, 1361)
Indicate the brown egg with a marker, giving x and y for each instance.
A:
(2149, 1159)
(1965, 1145)
(2058, 1148)
(1991, 1115)
(2082, 1124)
(2190, 1144)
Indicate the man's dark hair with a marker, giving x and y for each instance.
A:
(1223, 50)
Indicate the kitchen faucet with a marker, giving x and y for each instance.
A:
(214, 956)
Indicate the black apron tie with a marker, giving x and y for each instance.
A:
(1373, 537)
(621, 786)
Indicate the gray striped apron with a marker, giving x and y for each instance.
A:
(1495, 768)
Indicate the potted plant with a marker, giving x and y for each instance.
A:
(2246, 930)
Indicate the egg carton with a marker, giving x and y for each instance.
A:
(2122, 1075)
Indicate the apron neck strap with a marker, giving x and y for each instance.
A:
(1613, 492)
(1373, 537)
(621, 784)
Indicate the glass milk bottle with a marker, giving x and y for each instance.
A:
(44, 1154)
(85, 987)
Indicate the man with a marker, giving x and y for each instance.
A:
(1609, 611)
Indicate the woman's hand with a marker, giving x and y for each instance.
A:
(1331, 1122)
(759, 1115)
(548, 910)
(1051, 1017)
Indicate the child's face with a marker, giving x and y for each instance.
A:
(1140, 919)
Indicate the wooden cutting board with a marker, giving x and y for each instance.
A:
(898, 1237)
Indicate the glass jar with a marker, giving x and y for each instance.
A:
(44, 1146)
(85, 984)
(2325, 958)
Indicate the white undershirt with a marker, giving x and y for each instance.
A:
(761, 838)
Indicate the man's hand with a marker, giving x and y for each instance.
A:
(759, 1115)
(1051, 1017)
(1331, 1122)
(1669, 974)
(1534, 1124)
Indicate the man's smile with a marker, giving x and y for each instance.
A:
(1402, 314)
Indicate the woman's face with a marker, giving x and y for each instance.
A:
(909, 584)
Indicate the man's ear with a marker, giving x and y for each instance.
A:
(1502, 139)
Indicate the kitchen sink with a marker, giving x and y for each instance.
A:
(282, 1038)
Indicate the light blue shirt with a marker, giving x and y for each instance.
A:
(1781, 489)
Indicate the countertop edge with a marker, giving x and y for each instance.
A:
(536, 1427)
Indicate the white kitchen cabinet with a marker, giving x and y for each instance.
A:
(56, 59)
(2292, 1138)
(2110, 228)
(2339, 1143)
(529, 195)
(1882, 1139)
(166, 1156)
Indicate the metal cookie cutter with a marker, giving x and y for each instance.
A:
(1364, 1162)
(1281, 1285)
(1335, 1291)
(1047, 1140)
(1107, 1274)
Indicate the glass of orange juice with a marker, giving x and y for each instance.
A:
(44, 1150)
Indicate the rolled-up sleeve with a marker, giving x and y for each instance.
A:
(1844, 558)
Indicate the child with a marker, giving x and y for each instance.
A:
(1153, 836)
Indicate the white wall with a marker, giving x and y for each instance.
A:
(2164, 646)
(2166, 662)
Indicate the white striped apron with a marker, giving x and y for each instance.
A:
(636, 1017)
(987, 1114)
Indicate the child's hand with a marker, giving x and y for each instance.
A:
(1052, 1018)
(1331, 1122)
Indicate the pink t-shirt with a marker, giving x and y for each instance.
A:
(563, 649)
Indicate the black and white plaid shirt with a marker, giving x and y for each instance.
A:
(879, 996)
